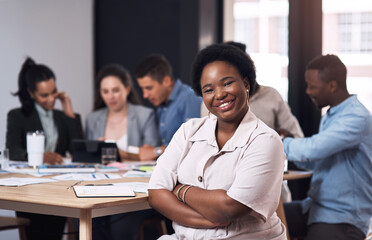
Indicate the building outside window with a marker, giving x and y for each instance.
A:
(347, 32)
(263, 26)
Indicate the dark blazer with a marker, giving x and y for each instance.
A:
(18, 124)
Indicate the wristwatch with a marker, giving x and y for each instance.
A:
(158, 151)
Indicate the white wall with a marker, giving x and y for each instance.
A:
(57, 33)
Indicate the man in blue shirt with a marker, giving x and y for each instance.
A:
(175, 102)
(339, 202)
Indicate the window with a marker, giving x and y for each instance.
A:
(355, 32)
(263, 26)
(347, 32)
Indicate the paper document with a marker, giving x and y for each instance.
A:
(139, 187)
(29, 171)
(87, 176)
(14, 182)
(137, 173)
(104, 191)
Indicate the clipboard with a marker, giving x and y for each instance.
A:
(104, 190)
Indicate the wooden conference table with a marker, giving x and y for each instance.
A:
(58, 198)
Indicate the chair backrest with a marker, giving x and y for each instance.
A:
(7, 223)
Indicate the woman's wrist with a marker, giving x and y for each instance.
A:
(181, 192)
(178, 192)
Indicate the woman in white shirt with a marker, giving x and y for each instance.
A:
(220, 176)
(119, 115)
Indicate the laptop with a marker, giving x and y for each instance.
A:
(89, 151)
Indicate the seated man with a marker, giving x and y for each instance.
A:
(339, 202)
(175, 102)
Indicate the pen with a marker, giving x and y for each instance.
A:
(139, 170)
(106, 176)
(74, 184)
(93, 175)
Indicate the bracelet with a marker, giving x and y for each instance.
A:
(184, 193)
(178, 192)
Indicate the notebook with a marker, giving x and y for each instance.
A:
(105, 190)
(89, 151)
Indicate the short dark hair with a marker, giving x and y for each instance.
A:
(31, 74)
(226, 53)
(329, 67)
(156, 66)
(120, 72)
(239, 45)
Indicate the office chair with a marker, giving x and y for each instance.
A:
(7, 223)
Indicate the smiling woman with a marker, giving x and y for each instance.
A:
(220, 176)
(120, 117)
(118, 114)
(38, 93)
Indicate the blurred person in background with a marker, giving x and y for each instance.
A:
(339, 202)
(37, 92)
(118, 113)
(175, 101)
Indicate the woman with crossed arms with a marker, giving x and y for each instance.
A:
(220, 177)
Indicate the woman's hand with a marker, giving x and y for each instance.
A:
(123, 155)
(284, 133)
(66, 104)
(53, 158)
(164, 202)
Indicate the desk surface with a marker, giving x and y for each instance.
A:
(56, 194)
(293, 175)
(55, 199)
(290, 175)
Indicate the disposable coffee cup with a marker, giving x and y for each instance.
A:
(35, 148)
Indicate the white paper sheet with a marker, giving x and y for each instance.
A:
(87, 176)
(139, 187)
(15, 182)
(137, 174)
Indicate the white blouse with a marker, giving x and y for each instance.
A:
(249, 167)
(122, 142)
